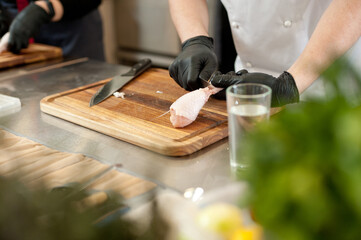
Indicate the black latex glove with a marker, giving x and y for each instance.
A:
(25, 25)
(284, 89)
(196, 61)
(4, 24)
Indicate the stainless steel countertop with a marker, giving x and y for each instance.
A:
(208, 168)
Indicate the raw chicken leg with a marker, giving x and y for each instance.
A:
(186, 108)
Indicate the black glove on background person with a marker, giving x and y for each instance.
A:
(284, 89)
(25, 26)
(197, 60)
(4, 24)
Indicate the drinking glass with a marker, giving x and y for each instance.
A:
(247, 105)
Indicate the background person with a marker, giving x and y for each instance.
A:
(75, 26)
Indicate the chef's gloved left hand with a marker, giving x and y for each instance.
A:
(25, 26)
(284, 89)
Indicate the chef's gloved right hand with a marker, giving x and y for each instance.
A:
(196, 61)
(284, 89)
(25, 26)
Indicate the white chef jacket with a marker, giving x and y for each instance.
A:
(269, 35)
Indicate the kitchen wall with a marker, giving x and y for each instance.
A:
(135, 29)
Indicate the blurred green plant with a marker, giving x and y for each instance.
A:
(305, 173)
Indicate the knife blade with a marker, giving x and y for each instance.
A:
(207, 83)
(119, 81)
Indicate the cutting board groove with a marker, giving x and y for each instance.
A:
(137, 118)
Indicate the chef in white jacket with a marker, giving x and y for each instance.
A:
(285, 44)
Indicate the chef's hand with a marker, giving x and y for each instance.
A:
(197, 60)
(284, 89)
(25, 26)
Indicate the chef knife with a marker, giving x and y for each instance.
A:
(119, 81)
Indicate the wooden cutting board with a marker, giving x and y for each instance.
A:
(39, 166)
(137, 118)
(36, 52)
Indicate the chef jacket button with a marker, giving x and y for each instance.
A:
(235, 25)
(248, 65)
(287, 23)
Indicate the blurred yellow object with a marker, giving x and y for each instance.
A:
(221, 218)
(253, 232)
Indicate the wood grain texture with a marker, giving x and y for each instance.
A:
(136, 119)
(36, 52)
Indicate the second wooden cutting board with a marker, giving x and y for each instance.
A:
(137, 118)
(36, 52)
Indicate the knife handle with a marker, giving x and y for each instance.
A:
(139, 68)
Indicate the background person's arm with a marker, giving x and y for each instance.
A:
(70, 9)
(58, 8)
